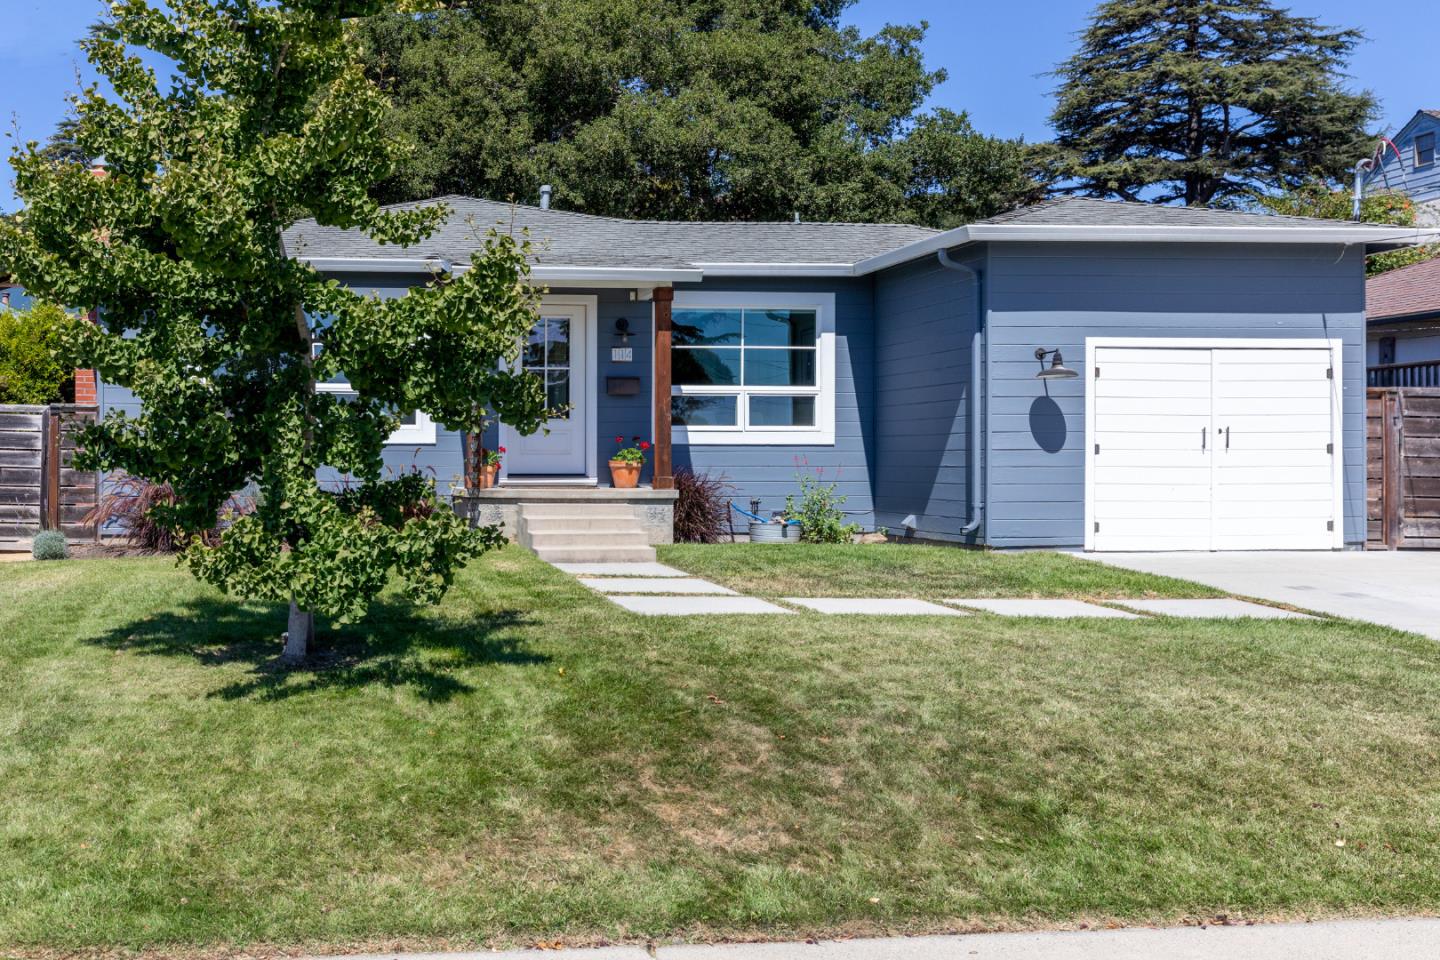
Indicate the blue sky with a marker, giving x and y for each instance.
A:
(996, 54)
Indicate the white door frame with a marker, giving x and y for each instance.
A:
(1337, 409)
(590, 396)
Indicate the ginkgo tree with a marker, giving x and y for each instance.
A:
(261, 116)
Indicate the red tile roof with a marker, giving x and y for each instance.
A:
(1407, 292)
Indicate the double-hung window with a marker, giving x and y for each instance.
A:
(415, 427)
(1425, 150)
(753, 368)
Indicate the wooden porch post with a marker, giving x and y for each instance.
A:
(664, 474)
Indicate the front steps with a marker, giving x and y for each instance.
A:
(593, 532)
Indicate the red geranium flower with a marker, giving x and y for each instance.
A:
(644, 444)
(619, 439)
(501, 449)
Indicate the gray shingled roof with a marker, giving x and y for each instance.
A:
(565, 239)
(1088, 212)
(1407, 292)
(577, 239)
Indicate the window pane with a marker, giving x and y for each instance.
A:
(534, 355)
(559, 340)
(1425, 149)
(780, 368)
(704, 411)
(782, 411)
(705, 368)
(779, 328)
(410, 419)
(557, 392)
(705, 328)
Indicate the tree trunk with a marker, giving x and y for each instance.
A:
(302, 631)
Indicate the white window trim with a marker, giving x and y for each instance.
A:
(823, 432)
(1415, 149)
(420, 433)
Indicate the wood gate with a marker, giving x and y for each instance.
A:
(39, 487)
(1402, 437)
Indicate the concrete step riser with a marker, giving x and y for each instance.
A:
(577, 511)
(586, 538)
(547, 524)
(597, 554)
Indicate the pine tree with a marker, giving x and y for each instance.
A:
(1205, 102)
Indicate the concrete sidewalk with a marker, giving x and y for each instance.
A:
(1335, 940)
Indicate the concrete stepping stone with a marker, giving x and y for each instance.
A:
(653, 585)
(619, 570)
(1224, 608)
(1030, 607)
(876, 606)
(673, 606)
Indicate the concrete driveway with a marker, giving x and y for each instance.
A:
(1399, 589)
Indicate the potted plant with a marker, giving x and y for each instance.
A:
(626, 462)
(489, 467)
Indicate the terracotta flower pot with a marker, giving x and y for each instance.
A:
(624, 474)
(488, 474)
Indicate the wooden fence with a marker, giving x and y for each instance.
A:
(39, 487)
(1403, 488)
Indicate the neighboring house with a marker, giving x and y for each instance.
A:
(1414, 171)
(1217, 363)
(1402, 309)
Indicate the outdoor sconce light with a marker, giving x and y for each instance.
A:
(1057, 369)
(622, 330)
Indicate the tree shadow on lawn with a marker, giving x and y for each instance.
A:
(391, 647)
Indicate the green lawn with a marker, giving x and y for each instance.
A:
(530, 762)
(907, 570)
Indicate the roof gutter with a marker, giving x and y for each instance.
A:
(378, 264)
(1373, 237)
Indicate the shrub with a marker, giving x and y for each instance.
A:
(30, 345)
(130, 506)
(819, 513)
(701, 509)
(50, 545)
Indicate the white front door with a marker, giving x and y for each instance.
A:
(557, 351)
(1197, 447)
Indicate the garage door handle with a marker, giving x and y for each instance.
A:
(1202, 437)
(1227, 438)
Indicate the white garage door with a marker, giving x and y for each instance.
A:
(1214, 447)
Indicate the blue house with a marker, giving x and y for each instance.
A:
(1078, 373)
(1411, 167)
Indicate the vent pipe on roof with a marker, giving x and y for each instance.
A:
(545, 191)
(1362, 169)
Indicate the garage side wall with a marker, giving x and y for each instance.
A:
(1057, 295)
(925, 325)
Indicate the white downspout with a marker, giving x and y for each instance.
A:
(977, 347)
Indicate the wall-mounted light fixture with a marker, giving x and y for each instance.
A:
(622, 331)
(1057, 369)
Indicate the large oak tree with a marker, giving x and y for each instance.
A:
(685, 109)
